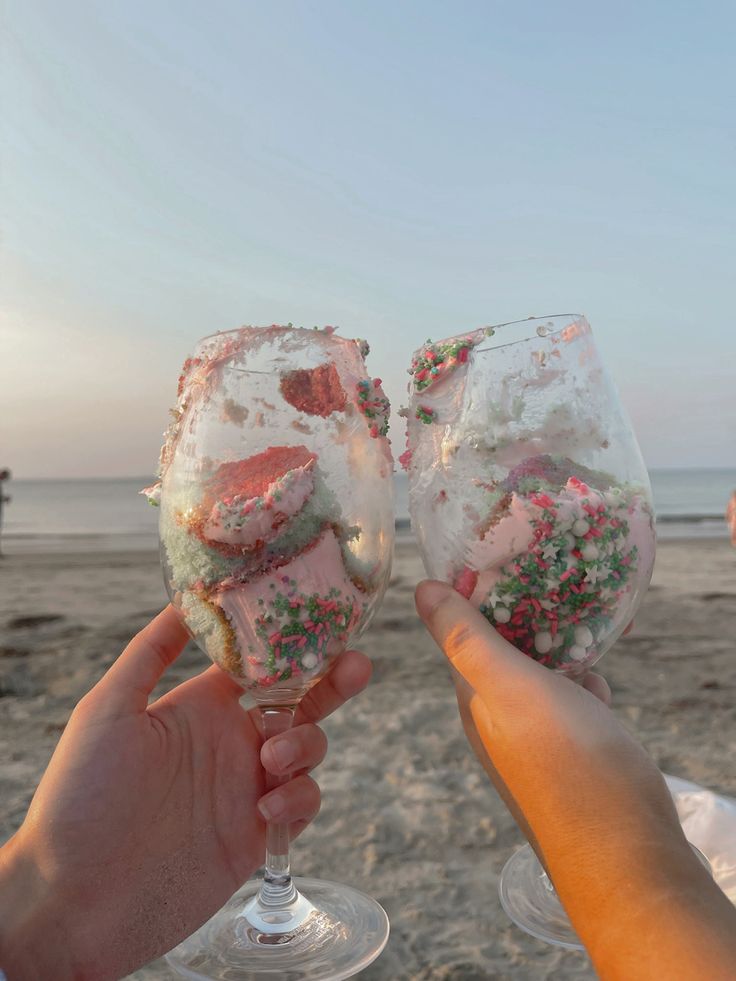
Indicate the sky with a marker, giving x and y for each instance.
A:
(403, 171)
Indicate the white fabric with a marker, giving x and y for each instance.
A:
(709, 823)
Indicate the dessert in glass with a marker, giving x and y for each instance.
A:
(528, 493)
(276, 532)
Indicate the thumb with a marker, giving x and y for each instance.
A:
(126, 686)
(484, 659)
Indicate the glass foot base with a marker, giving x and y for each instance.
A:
(263, 918)
(529, 899)
(339, 932)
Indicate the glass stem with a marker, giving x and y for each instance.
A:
(277, 889)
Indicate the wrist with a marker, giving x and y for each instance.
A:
(658, 914)
(34, 941)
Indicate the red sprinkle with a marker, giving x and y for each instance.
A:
(466, 582)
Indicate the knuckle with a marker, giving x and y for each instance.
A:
(310, 705)
(85, 708)
(320, 741)
(311, 743)
(156, 648)
(304, 797)
(312, 793)
(459, 639)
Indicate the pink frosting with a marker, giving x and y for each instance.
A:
(640, 520)
(513, 535)
(318, 570)
(245, 521)
(510, 537)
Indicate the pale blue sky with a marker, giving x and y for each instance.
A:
(403, 170)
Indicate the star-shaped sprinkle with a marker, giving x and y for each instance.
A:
(549, 552)
(594, 573)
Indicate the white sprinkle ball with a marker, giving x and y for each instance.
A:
(543, 642)
(590, 552)
(583, 636)
(501, 614)
(577, 653)
(309, 660)
(580, 528)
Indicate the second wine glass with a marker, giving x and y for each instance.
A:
(528, 493)
(276, 534)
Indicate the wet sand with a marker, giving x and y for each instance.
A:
(407, 813)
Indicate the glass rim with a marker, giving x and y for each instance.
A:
(284, 327)
(567, 317)
(481, 348)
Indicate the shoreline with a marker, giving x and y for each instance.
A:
(671, 528)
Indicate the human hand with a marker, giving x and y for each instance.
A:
(591, 801)
(149, 817)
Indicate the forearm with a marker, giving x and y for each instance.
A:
(662, 917)
(640, 900)
(34, 942)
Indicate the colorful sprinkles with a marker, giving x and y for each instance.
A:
(435, 361)
(553, 601)
(297, 629)
(374, 405)
(405, 459)
(425, 414)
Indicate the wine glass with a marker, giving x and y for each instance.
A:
(528, 493)
(276, 532)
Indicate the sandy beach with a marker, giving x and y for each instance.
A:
(407, 813)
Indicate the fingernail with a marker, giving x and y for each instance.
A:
(283, 753)
(272, 806)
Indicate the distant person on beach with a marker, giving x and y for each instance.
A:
(4, 499)
(731, 517)
(127, 848)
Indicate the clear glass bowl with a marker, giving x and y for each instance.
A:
(276, 504)
(527, 490)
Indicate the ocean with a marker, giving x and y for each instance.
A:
(107, 515)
